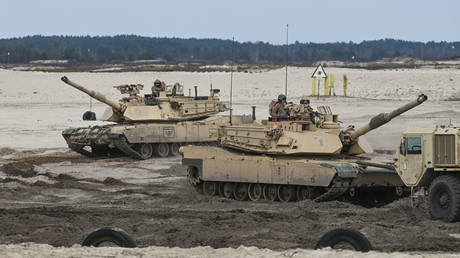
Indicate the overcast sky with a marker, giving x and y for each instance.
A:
(248, 20)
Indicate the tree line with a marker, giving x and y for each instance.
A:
(126, 48)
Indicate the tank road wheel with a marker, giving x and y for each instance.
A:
(307, 192)
(286, 193)
(220, 188)
(210, 188)
(227, 190)
(174, 149)
(162, 149)
(255, 192)
(240, 191)
(144, 149)
(444, 198)
(270, 192)
(302, 193)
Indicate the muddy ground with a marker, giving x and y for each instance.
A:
(57, 197)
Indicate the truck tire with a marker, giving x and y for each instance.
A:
(111, 235)
(444, 198)
(342, 236)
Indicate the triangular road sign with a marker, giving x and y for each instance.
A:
(319, 73)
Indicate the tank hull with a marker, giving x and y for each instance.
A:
(128, 139)
(318, 178)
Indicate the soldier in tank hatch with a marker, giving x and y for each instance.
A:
(279, 110)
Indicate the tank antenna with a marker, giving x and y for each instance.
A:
(287, 54)
(231, 79)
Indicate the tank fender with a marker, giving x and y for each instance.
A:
(344, 170)
(198, 163)
(68, 131)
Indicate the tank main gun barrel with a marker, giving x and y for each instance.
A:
(384, 118)
(93, 94)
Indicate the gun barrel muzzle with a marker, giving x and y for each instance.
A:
(92, 94)
(384, 118)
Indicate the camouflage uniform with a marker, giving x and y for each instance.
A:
(157, 87)
(279, 109)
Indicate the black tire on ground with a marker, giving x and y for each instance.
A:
(240, 191)
(255, 192)
(88, 115)
(111, 235)
(286, 193)
(162, 150)
(270, 192)
(174, 149)
(444, 198)
(144, 149)
(344, 237)
(210, 188)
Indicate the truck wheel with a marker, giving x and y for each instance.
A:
(174, 149)
(444, 198)
(344, 238)
(144, 149)
(109, 236)
(162, 150)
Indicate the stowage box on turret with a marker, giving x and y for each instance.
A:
(153, 124)
(304, 155)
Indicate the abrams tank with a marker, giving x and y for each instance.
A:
(305, 155)
(153, 124)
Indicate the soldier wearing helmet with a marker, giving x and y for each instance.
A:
(279, 108)
(157, 87)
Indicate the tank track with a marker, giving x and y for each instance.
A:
(79, 149)
(101, 143)
(339, 187)
(340, 190)
(123, 145)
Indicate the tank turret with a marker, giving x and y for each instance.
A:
(166, 103)
(306, 132)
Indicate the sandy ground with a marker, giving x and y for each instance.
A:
(38, 251)
(49, 195)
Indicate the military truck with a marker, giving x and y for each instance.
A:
(304, 156)
(153, 124)
(429, 159)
